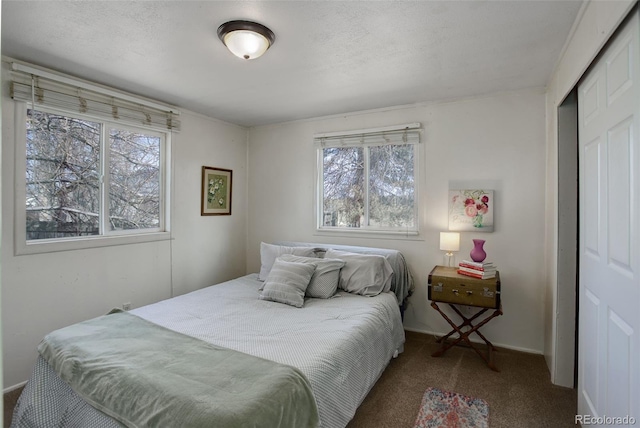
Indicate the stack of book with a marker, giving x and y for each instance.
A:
(481, 270)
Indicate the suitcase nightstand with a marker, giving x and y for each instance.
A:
(446, 285)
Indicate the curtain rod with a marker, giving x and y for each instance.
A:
(407, 126)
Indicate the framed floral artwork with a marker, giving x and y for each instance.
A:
(216, 191)
(471, 210)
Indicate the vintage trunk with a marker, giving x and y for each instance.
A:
(447, 285)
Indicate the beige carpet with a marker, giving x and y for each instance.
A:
(521, 395)
(10, 399)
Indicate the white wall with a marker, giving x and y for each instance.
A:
(596, 23)
(47, 291)
(496, 142)
(207, 249)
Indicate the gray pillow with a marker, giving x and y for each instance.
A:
(269, 253)
(365, 274)
(324, 281)
(287, 282)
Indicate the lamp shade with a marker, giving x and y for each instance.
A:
(247, 40)
(449, 241)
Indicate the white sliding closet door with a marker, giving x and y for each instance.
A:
(609, 231)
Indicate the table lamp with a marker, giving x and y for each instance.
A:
(449, 242)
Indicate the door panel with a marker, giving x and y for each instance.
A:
(619, 182)
(591, 212)
(619, 69)
(619, 366)
(590, 103)
(589, 367)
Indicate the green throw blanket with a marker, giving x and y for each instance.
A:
(144, 375)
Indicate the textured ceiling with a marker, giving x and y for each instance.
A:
(329, 57)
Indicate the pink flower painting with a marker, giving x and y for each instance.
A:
(471, 210)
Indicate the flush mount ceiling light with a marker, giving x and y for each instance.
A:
(245, 39)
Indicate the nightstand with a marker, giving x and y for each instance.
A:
(447, 286)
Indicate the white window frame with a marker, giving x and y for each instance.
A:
(319, 178)
(107, 237)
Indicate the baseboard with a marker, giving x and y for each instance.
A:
(474, 340)
(14, 387)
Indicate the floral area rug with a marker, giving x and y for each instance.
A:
(443, 409)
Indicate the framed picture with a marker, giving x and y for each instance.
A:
(216, 191)
(471, 210)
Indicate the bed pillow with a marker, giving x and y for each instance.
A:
(287, 282)
(324, 281)
(365, 274)
(269, 253)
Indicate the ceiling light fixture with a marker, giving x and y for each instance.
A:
(245, 39)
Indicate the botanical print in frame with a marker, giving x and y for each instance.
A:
(471, 210)
(216, 191)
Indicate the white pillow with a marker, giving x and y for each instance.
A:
(287, 283)
(269, 253)
(365, 274)
(324, 281)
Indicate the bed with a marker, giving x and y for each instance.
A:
(335, 346)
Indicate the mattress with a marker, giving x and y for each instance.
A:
(341, 344)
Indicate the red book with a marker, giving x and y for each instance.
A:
(491, 271)
(478, 275)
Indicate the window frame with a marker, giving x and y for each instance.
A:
(106, 236)
(365, 230)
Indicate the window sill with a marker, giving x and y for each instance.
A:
(50, 246)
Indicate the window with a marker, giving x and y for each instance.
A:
(95, 164)
(86, 177)
(367, 181)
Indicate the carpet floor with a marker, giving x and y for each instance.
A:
(520, 395)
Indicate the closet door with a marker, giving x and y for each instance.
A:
(609, 231)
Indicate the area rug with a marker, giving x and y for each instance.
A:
(443, 409)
